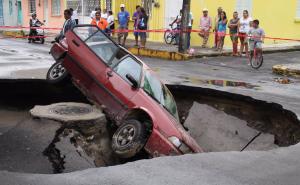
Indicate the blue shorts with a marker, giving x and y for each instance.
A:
(135, 33)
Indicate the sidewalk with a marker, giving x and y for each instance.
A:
(170, 52)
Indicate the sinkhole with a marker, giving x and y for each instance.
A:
(219, 121)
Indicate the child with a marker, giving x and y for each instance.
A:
(256, 37)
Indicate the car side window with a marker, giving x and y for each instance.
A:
(129, 66)
(98, 42)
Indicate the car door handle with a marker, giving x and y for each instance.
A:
(76, 43)
(109, 74)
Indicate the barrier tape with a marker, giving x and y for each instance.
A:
(145, 31)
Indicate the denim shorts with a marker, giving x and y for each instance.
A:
(252, 45)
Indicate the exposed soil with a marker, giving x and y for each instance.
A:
(263, 116)
(76, 146)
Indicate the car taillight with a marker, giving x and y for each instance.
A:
(180, 145)
(175, 141)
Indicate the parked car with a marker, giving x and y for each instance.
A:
(133, 97)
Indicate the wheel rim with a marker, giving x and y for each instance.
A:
(169, 38)
(125, 135)
(57, 71)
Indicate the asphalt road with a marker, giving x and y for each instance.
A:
(19, 59)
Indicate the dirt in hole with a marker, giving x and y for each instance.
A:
(89, 141)
(268, 118)
(76, 146)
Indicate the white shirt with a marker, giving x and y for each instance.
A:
(104, 15)
(93, 14)
(75, 15)
(110, 19)
(190, 19)
(245, 25)
(34, 21)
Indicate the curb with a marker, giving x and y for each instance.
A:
(13, 33)
(175, 56)
(286, 70)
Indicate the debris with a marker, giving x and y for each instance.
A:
(283, 80)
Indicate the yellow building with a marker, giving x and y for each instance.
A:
(279, 19)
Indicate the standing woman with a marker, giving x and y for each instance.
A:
(244, 27)
(222, 24)
(111, 23)
(142, 25)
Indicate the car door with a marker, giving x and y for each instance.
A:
(118, 82)
(90, 50)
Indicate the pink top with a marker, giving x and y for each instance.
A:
(205, 23)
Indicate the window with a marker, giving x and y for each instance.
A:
(32, 6)
(100, 44)
(298, 10)
(242, 5)
(160, 93)
(55, 11)
(129, 66)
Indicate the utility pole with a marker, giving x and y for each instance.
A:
(184, 26)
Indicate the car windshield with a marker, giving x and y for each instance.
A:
(100, 44)
(159, 92)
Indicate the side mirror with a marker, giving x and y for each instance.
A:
(132, 80)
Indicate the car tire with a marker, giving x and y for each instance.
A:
(57, 73)
(129, 139)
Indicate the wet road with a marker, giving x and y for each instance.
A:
(230, 74)
(281, 168)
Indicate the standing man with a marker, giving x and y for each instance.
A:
(233, 31)
(104, 14)
(100, 22)
(75, 15)
(136, 17)
(205, 27)
(123, 17)
(68, 25)
(217, 18)
(93, 13)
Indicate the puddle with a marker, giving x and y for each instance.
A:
(79, 146)
(219, 83)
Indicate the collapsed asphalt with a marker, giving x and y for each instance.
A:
(43, 146)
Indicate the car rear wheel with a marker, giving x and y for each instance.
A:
(129, 138)
(57, 73)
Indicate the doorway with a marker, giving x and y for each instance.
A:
(20, 15)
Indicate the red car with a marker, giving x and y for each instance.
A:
(133, 97)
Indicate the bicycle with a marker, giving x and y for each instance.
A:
(170, 35)
(256, 58)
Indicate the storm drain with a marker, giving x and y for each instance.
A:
(68, 112)
(71, 110)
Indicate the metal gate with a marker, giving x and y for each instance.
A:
(88, 6)
(1, 13)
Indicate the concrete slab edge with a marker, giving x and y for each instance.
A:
(286, 71)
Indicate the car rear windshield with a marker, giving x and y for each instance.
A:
(160, 93)
(100, 44)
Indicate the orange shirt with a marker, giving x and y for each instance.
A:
(102, 23)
